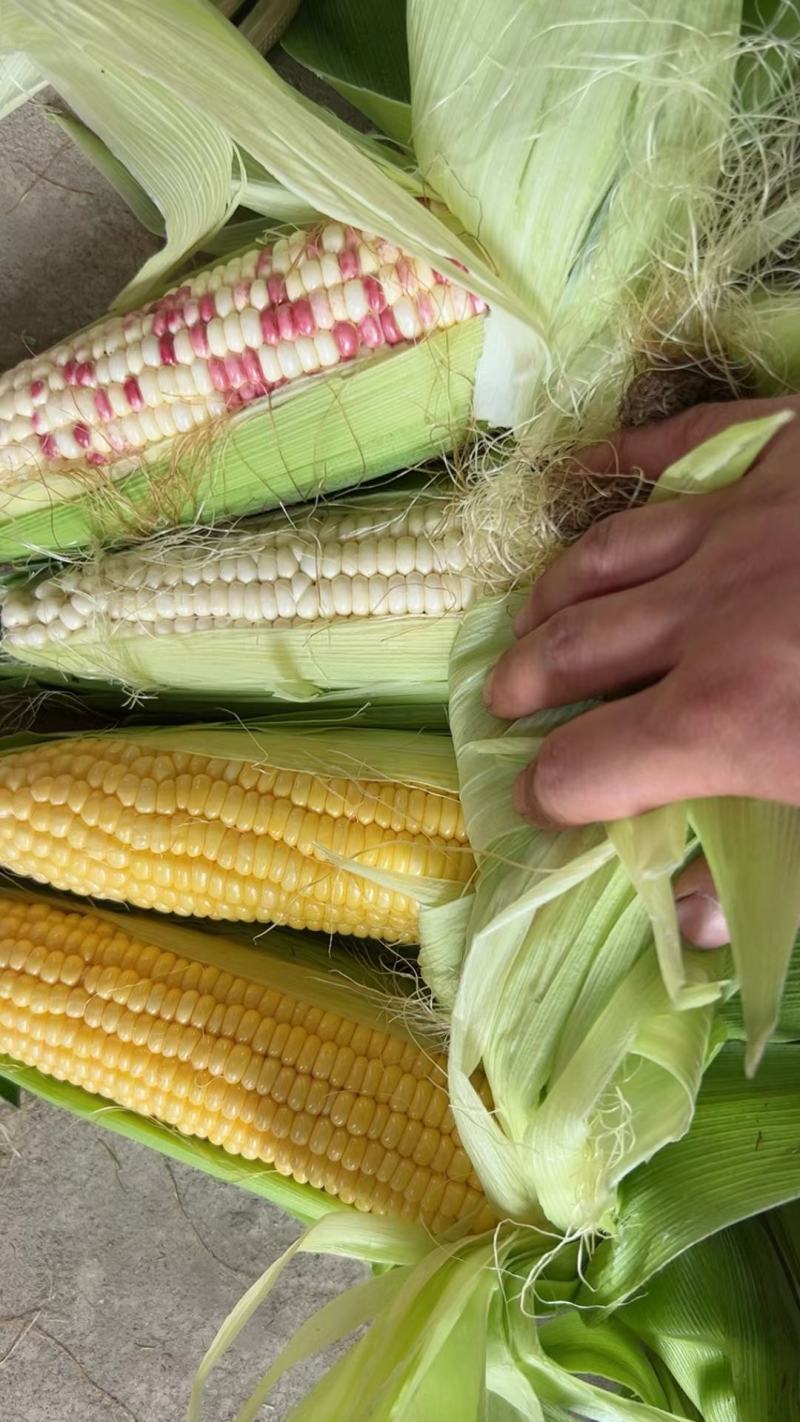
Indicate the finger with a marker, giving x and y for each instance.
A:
(592, 649)
(652, 448)
(700, 916)
(620, 552)
(620, 759)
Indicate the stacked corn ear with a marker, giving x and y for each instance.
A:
(133, 390)
(359, 596)
(344, 832)
(264, 1055)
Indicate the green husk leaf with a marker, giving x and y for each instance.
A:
(361, 1237)
(580, 152)
(725, 1318)
(249, 106)
(114, 172)
(740, 1157)
(20, 80)
(263, 193)
(9, 1091)
(264, 22)
(181, 158)
(328, 434)
(362, 52)
(559, 997)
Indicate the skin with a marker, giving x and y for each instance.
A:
(688, 614)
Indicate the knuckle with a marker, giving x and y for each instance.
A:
(717, 710)
(600, 547)
(552, 770)
(700, 422)
(560, 639)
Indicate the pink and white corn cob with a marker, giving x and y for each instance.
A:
(227, 337)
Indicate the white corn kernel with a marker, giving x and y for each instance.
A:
(215, 333)
(288, 360)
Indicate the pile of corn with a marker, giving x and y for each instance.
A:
(359, 1113)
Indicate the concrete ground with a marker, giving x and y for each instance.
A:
(116, 1267)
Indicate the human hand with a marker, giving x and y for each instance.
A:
(696, 602)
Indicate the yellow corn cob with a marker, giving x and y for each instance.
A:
(375, 562)
(358, 1112)
(223, 339)
(224, 839)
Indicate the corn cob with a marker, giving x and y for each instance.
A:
(225, 839)
(373, 561)
(223, 339)
(357, 1111)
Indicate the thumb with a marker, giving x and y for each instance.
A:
(701, 919)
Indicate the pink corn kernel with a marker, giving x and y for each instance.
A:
(218, 373)
(269, 326)
(346, 338)
(102, 404)
(233, 400)
(264, 263)
(160, 323)
(133, 393)
(390, 328)
(234, 370)
(426, 310)
(285, 319)
(478, 305)
(49, 446)
(252, 366)
(70, 371)
(374, 293)
(404, 274)
(371, 332)
(438, 278)
(37, 389)
(166, 350)
(206, 307)
(199, 339)
(83, 435)
(84, 375)
(175, 321)
(303, 317)
(252, 390)
(191, 313)
(276, 288)
(349, 265)
(98, 459)
(241, 295)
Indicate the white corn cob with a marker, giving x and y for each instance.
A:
(370, 563)
(223, 339)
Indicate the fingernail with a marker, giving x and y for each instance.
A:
(488, 689)
(701, 921)
(527, 805)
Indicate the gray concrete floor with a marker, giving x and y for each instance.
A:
(116, 1268)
